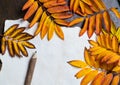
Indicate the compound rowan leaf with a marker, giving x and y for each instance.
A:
(57, 11)
(96, 11)
(106, 48)
(16, 40)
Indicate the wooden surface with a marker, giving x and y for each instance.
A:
(10, 9)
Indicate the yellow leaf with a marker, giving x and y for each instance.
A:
(76, 5)
(77, 63)
(116, 69)
(115, 44)
(10, 30)
(87, 57)
(45, 27)
(3, 45)
(43, 18)
(82, 72)
(36, 17)
(51, 30)
(93, 43)
(115, 11)
(59, 32)
(113, 28)
(89, 77)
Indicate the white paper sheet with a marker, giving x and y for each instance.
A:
(52, 57)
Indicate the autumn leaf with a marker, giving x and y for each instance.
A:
(106, 47)
(92, 12)
(47, 11)
(93, 71)
(102, 60)
(16, 40)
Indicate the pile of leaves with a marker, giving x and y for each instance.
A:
(102, 59)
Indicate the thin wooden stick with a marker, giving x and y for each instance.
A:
(30, 70)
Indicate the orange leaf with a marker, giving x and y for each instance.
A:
(27, 4)
(84, 29)
(63, 15)
(91, 26)
(75, 21)
(107, 21)
(98, 23)
(58, 9)
(31, 10)
(115, 80)
(52, 3)
(61, 22)
(99, 78)
(107, 79)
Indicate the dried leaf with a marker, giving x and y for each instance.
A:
(98, 23)
(63, 15)
(77, 63)
(44, 16)
(36, 17)
(51, 30)
(89, 77)
(3, 46)
(100, 4)
(31, 10)
(59, 32)
(27, 4)
(56, 10)
(45, 27)
(91, 26)
(15, 39)
(115, 80)
(83, 72)
(116, 12)
(107, 20)
(107, 79)
(99, 78)
(52, 3)
(75, 21)
(84, 29)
